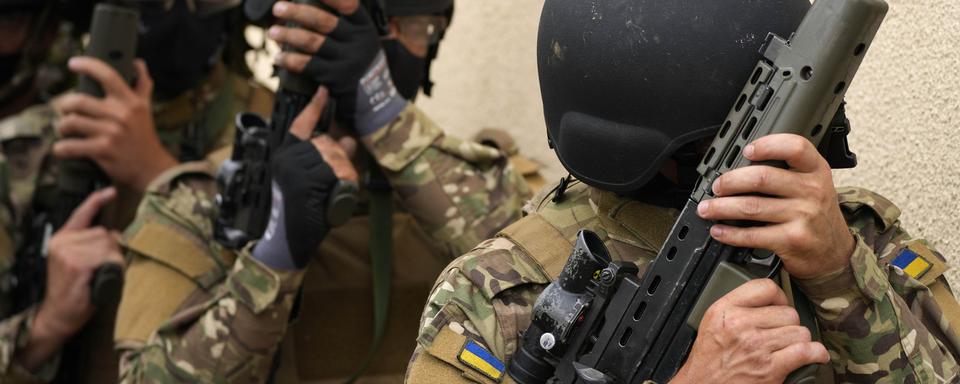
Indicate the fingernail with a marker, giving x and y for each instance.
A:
(702, 208)
(72, 62)
(716, 231)
(278, 58)
(715, 187)
(279, 8)
(273, 32)
(107, 192)
(748, 150)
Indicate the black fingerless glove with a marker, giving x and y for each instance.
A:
(351, 64)
(302, 183)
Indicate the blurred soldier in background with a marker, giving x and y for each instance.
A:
(450, 194)
(33, 52)
(135, 134)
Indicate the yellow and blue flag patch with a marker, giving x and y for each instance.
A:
(911, 263)
(479, 358)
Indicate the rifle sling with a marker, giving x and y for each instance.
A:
(381, 258)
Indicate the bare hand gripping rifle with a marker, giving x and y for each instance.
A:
(113, 39)
(599, 322)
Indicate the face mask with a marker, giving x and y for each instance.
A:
(8, 67)
(406, 69)
(179, 47)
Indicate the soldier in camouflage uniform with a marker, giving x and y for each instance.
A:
(612, 71)
(186, 117)
(450, 194)
(37, 42)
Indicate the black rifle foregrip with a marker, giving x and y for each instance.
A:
(106, 285)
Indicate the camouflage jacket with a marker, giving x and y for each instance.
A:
(197, 121)
(879, 324)
(459, 192)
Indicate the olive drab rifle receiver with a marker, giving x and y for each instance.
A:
(244, 179)
(611, 326)
(113, 39)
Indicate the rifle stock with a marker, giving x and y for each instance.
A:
(634, 329)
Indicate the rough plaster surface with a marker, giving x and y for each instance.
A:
(904, 104)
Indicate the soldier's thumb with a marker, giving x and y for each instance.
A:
(307, 119)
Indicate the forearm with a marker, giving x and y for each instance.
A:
(27, 355)
(460, 192)
(870, 330)
(230, 338)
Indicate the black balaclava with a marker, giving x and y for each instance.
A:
(179, 46)
(8, 67)
(406, 69)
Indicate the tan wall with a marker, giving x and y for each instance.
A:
(905, 103)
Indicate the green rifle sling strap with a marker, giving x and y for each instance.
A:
(381, 259)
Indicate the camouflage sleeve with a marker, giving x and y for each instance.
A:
(485, 297)
(230, 338)
(222, 314)
(460, 192)
(14, 334)
(880, 323)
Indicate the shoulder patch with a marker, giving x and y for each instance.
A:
(919, 261)
(911, 263)
(477, 357)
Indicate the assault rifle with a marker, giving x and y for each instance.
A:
(599, 322)
(244, 179)
(113, 39)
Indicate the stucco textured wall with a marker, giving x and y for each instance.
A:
(904, 104)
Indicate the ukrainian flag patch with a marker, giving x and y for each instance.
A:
(911, 263)
(479, 358)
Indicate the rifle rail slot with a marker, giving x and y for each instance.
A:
(741, 101)
(734, 154)
(672, 253)
(710, 153)
(840, 87)
(816, 130)
(748, 129)
(756, 75)
(859, 49)
(654, 285)
(625, 338)
(639, 312)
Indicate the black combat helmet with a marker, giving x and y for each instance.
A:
(626, 83)
(417, 7)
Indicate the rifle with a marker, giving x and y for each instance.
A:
(244, 179)
(113, 39)
(599, 322)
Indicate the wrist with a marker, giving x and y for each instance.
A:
(49, 327)
(161, 163)
(46, 336)
(861, 277)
